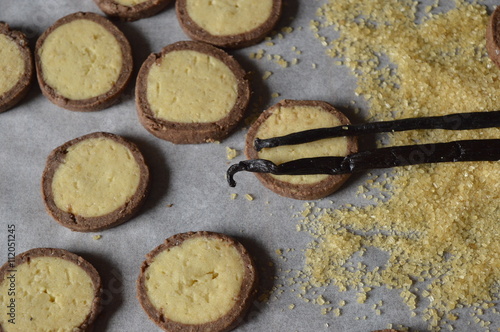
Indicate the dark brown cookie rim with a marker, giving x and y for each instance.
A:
(95, 103)
(10, 98)
(227, 322)
(194, 31)
(303, 191)
(192, 133)
(26, 256)
(493, 37)
(93, 224)
(132, 13)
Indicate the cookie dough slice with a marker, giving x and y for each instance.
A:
(47, 289)
(289, 116)
(493, 37)
(94, 182)
(16, 66)
(131, 10)
(230, 24)
(83, 62)
(197, 281)
(191, 92)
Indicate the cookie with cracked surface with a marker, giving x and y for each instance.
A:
(54, 288)
(197, 281)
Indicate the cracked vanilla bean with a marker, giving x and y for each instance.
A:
(459, 121)
(467, 150)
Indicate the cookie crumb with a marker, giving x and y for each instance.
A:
(231, 153)
(266, 75)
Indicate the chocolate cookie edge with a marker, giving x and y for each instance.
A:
(225, 323)
(194, 31)
(104, 100)
(96, 306)
(192, 133)
(314, 191)
(94, 224)
(12, 97)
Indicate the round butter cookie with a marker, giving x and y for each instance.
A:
(229, 24)
(131, 10)
(197, 281)
(191, 92)
(289, 116)
(94, 182)
(493, 37)
(83, 62)
(46, 289)
(16, 66)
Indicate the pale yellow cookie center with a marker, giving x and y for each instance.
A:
(51, 294)
(81, 59)
(287, 120)
(11, 64)
(229, 17)
(191, 87)
(196, 282)
(129, 3)
(97, 177)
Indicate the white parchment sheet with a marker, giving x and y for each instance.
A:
(189, 190)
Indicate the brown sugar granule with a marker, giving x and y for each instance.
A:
(438, 224)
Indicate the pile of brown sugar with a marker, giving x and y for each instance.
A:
(439, 224)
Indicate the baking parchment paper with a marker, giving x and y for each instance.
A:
(189, 191)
